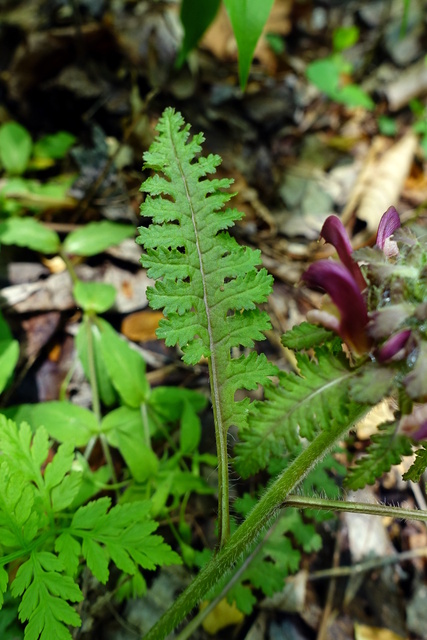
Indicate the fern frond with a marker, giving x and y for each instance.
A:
(306, 336)
(207, 284)
(387, 448)
(418, 467)
(299, 407)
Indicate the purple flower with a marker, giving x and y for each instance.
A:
(333, 231)
(344, 292)
(415, 423)
(393, 346)
(389, 222)
(344, 283)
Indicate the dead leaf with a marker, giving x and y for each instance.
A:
(221, 616)
(141, 326)
(363, 632)
(379, 184)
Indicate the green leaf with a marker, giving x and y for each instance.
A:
(387, 448)
(63, 494)
(96, 237)
(345, 37)
(169, 402)
(126, 369)
(195, 22)
(298, 408)
(94, 297)
(9, 353)
(4, 581)
(28, 232)
(15, 147)
(354, 96)
(418, 467)
(46, 593)
(65, 421)
(372, 384)
(69, 551)
(88, 341)
(190, 431)
(325, 75)
(208, 286)
(124, 534)
(306, 336)
(125, 430)
(248, 19)
(54, 146)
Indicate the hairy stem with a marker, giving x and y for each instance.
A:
(302, 502)
(240, 543)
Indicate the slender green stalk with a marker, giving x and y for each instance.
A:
(96, 403)
(303, 502)
(240, 543)
(222, 453)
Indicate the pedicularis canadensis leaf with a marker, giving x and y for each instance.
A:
(207, 285)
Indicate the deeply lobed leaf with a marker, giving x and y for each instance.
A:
(207, 284)
(299, 407)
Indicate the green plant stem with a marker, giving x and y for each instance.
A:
(96, 403)
(240, 543)
(203, 613)
(70, 266)
(302, 502)
(222, 453)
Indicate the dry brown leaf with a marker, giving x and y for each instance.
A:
(141, 326)
(379, 184)
(363, 632)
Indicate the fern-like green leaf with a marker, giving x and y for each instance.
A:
(418, 467)
(299, 407)
(306, 336)
(387, 448)
(207, 284)
(46, 596)
(123, 534)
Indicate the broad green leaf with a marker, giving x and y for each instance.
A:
(28, 232)
(325, 74)
(124, 429)
(354, 96)
(345, 37)
(15, 147)
(64, 421)
(94, 297)
(96, 237)
(195, 20)
(54, 146)
(88, 341)
(9, 355)
(190, 430)
(126, 369)
(169, 402)
(248, 19)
